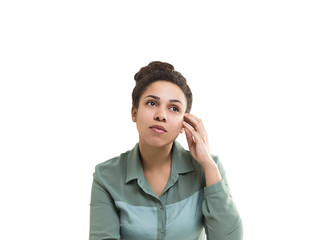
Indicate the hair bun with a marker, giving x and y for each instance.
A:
(153, 67)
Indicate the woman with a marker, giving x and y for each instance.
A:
(158, 190)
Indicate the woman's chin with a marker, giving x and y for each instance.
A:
(158, 142)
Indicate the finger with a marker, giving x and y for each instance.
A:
(197, 137)
(197, 124)
(194, 122)
(189, 138)
(199, 121)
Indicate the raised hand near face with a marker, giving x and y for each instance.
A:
(197, 139)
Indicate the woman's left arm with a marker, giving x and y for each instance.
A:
(221, 218)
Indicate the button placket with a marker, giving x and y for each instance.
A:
(161, 220)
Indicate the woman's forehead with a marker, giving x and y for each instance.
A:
(165, 91)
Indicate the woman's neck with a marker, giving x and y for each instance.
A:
(153, 158)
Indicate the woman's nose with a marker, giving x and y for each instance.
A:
(161, 116)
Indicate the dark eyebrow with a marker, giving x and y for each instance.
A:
(175, 100)
(158, 98)
(152, 96)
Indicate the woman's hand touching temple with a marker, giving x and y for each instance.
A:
(197, 139)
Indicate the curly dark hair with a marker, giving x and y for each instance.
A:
(159, 71)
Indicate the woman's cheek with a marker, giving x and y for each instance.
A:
(180, 123)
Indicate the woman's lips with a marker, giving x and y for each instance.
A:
(158, 129)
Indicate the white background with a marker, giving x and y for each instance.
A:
(256, 69)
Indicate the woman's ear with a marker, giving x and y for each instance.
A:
(134, 114)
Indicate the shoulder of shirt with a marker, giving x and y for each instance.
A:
(197, 166)
(220, 166)
(113, 164)
(215, 158)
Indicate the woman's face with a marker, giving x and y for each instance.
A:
(160, 114)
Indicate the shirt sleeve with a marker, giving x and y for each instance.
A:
(221, 218)
(104, 220)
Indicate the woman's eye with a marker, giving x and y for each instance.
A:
(151, 103)
(175, 109)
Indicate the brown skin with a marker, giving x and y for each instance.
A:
(164, 104)
(198, 144)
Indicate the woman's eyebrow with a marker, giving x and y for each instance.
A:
(176, 100)
(158, 98)
(153, 96)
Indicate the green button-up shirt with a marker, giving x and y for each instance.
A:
(124, 206)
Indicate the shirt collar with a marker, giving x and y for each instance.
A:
(181, 162)
(133, 167)
(181, 159)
